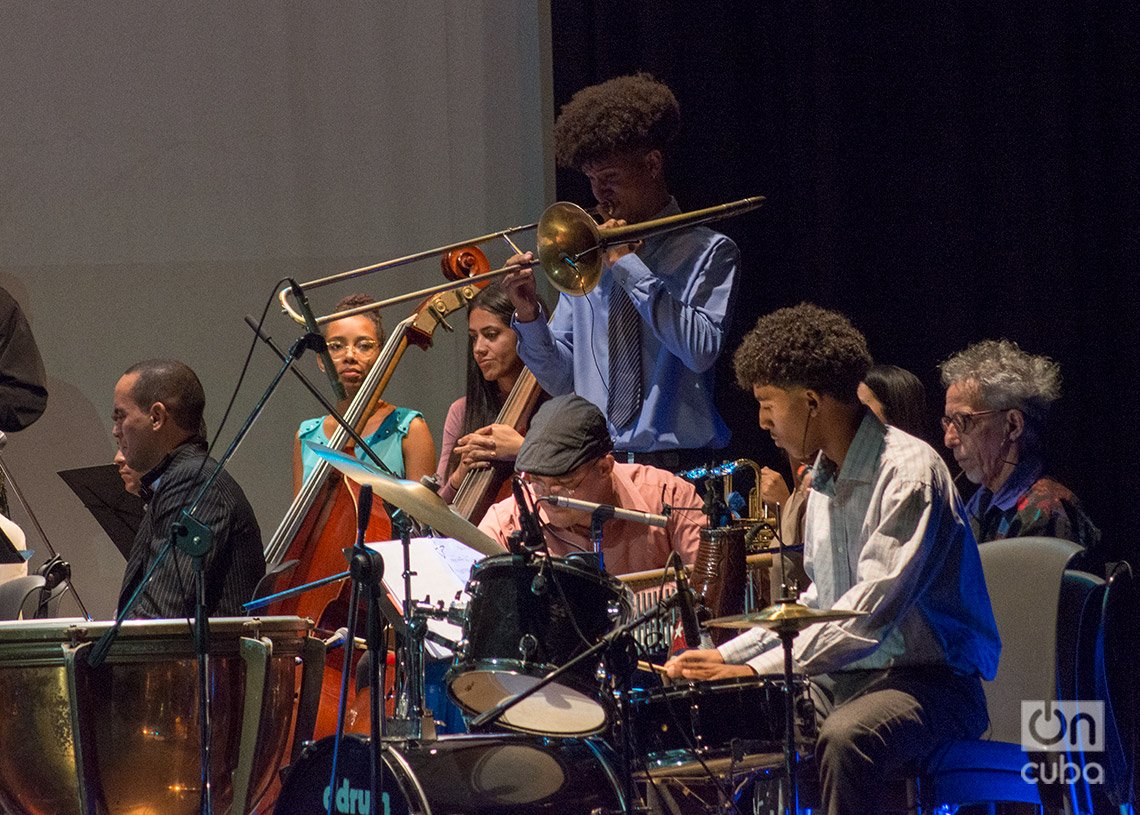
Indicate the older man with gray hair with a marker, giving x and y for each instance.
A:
(997, 402)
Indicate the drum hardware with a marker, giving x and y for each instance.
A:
(415, 501)
(55, 571)
(787, 619)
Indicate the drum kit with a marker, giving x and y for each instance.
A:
(544, 661)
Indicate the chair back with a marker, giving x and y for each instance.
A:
(15, 593)
(1024, 578)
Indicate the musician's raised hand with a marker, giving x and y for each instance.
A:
(521, 288)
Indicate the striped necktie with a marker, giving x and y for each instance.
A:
(625, 359)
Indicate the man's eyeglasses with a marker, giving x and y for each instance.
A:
(964, 422)
(364, 347)
(565, 485)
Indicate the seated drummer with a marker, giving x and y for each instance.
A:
(157, 418)
(886, 533)
(568, 452)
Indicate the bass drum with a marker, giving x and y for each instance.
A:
(487, 774)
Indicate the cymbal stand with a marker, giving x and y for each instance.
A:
(411, 719)
(787, 634)
(366, 570)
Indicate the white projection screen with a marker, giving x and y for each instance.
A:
(163, 164)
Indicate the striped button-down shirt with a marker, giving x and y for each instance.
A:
(232, 567)
(886, 534)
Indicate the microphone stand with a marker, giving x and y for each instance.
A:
(311, 327)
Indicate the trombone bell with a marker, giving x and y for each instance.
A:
(568, 249)
(570, 243)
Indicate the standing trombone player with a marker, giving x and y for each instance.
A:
(643, 343)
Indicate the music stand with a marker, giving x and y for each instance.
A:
(101, 490)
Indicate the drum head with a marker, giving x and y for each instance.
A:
(554, 710)
(525, 619)
(487, 774)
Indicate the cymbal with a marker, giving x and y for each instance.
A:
(781, 617)
(412, 497)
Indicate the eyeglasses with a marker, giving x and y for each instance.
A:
(364, 347)
(565, 485)
(965, 422)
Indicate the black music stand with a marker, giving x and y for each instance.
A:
(101, 490)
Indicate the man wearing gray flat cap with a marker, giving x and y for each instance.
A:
(568, 452)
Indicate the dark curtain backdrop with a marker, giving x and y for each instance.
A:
(941, 172)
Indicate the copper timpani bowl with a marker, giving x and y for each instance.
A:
(123, 737)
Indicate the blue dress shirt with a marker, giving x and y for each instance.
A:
(681, 284)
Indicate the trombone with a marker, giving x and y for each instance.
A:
(570, 246)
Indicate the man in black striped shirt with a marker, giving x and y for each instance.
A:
(157, 417)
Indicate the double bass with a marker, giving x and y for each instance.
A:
(481, 487)
(321, 521)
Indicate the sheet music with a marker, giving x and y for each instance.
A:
(442, 567)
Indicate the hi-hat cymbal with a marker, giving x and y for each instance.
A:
(412, 497)
(784, 617)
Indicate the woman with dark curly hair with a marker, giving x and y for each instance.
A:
(642, 345)
(884, 535)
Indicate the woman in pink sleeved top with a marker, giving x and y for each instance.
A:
(471, 437)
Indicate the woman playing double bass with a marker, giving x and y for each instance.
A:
(475, 435)
(399, 436)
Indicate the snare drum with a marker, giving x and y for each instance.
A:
(525, 619)
(490, 774)
(719, 722)
(123, 737)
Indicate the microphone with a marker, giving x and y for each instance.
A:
(312, 327)
(689, 623)
(607, 510)
(528, 522)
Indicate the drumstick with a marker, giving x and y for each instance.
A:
(642, 665)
